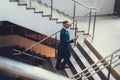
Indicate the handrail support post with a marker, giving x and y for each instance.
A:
(89, 21)
(74, 12)
(51, 9)
(30, 3)
(93, 33)
(110, 67)
(55, 44)
(75, 32)
(81, 76)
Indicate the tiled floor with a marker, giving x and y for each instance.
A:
(107, 35)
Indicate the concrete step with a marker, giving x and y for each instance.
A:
(39, 7)
(75, 65)
(53, 61)
(48, 66)
(13, 0)
(23, 2)
(84, 61)
(91, 58)
(60, 17)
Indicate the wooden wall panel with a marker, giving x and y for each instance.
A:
(13, 40)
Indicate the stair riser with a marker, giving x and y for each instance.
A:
(89, 59)
(82, 66)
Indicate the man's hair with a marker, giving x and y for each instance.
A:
(65, 22)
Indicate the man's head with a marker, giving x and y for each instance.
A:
(66, 24)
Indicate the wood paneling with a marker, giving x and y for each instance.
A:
(13, 40)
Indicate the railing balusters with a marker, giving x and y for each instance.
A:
(55, 44)
(90, 17)
(39, 42)
(51, 8)
(109, 71)
(81, 76)
(76, 28)
(74, 11)
(102, 60)
(74, 14)
(94, 26)
(28, 71)
(89, 21)
(30, 3)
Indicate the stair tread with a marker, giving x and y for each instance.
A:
(22, 2)
(94, 58)
(50, 68)
(85, 62)
(13, 0)
(79, 54)
(40, 7)
(75, 64)
(59, 16)
(68, 71)
(47, 11)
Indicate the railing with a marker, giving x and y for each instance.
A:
(30, 55)
(90, 17)
(28, 71)
(72, 9)
(26, 33)
(32, 46)
(42, 41)
(99, 64)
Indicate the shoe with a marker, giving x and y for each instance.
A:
(65, 67)
(58, 68)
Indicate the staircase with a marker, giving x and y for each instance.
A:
(41, 14)
(80, 59)
(9, 28)
(39, 23)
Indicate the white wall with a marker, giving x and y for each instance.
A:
(104, 6)
(16, 40)
(27, 18)
(20, 15)
(2, 17)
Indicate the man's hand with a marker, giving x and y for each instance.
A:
(75, 38)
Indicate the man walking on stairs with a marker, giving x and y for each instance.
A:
(64, 47)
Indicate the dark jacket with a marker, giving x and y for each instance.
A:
(65, 41)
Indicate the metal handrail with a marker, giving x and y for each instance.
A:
(28, 55)
(96, 63)
(98, 67)
(39, 42)
(91, 10)
(74, 15)
(101, 69)
(78, 18)
(84, 5)
(28, 71)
